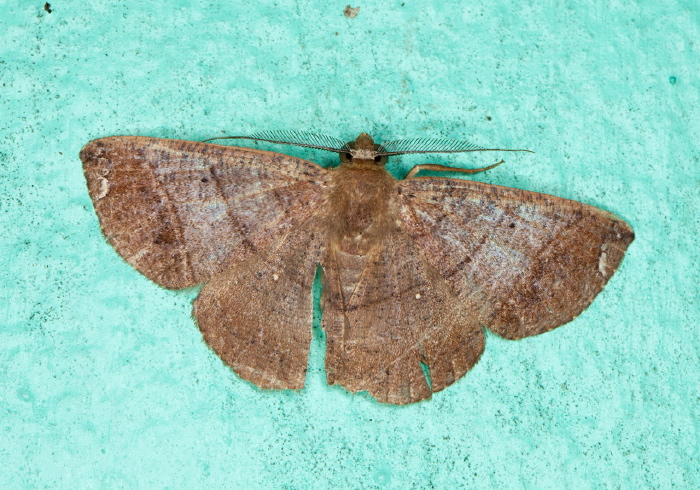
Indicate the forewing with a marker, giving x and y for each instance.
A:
(388, 312)
(257, 315)
(531, 261)
(181, 211)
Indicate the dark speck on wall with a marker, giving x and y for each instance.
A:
(47, 7)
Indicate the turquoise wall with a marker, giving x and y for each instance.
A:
(105, 381)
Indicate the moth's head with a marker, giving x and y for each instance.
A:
(363, 150)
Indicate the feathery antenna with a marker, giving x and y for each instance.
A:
(427, 145)
(296, 138)
(329, 143)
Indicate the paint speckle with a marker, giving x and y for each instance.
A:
(672, 80)
(47, 7)
(382, 477)
(25, 395)
(418, 296)
(275, 277)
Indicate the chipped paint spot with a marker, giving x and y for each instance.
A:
(418, 296)
(350, 12)
(275, 277)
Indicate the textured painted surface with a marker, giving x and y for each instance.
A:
(106, 382)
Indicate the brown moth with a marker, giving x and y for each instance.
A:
(413, 269)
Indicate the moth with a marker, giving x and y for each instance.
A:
(413, 270)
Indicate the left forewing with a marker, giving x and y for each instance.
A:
(181, 212)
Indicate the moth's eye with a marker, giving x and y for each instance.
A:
(381, 159)
(345, 157)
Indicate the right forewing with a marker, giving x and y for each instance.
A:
(530, 261)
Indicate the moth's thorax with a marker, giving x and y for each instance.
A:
(362, 164)
(361, 204)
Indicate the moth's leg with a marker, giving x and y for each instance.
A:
(445, 168)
